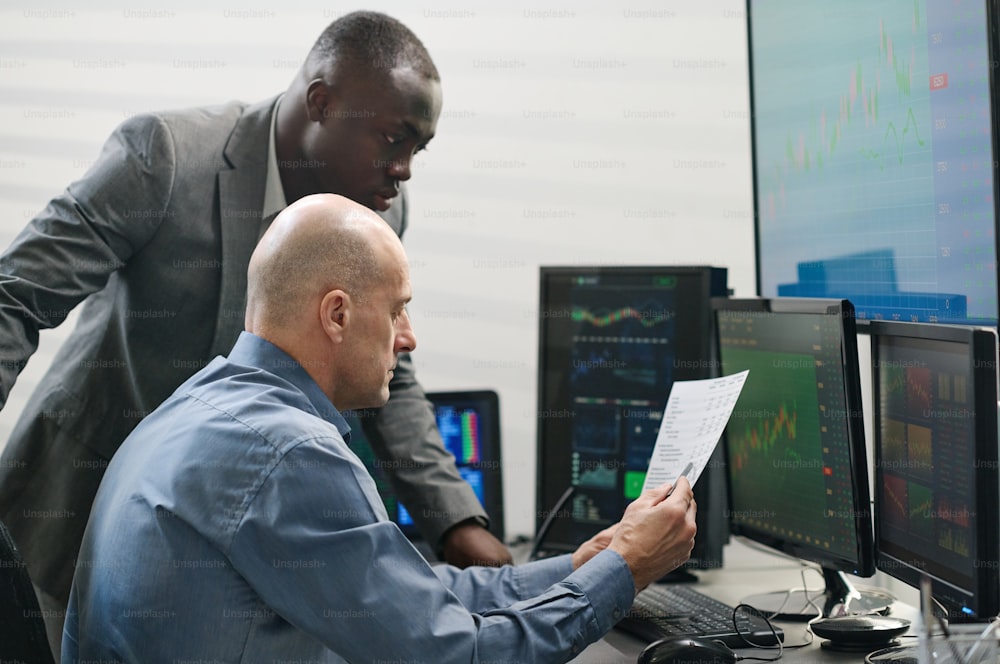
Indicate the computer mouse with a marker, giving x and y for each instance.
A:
(686, 651)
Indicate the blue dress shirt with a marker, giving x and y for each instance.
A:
(236, 525)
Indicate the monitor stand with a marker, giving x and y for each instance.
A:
(839, 598)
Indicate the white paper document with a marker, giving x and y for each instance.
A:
(696, 414)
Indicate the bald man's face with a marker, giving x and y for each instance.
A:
(367, 129)
(380, 329)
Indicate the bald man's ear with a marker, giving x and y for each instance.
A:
(318, 98)
(335, 314)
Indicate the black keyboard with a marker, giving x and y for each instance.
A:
(680, 611)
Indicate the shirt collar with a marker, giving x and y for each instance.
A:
(251, 350)
(274, 194)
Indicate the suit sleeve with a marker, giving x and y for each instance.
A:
(81, 238)
(404, 435)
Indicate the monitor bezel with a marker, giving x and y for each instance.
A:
(982, 345)
(712, 280)
(486, 402)
(863, 563)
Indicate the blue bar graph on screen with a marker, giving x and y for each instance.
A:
(873, 156)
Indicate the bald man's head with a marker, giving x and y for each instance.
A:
(328, 284)
(315, 245)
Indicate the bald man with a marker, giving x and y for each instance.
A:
(236, 524)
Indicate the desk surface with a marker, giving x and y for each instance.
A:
(747, 571)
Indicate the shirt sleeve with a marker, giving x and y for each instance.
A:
(81, 237)
(316, 546)
(483, 588)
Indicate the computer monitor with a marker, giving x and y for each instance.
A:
(612, 340)
(795, 447)
(874, 129)
(937, 501)
(469, 422)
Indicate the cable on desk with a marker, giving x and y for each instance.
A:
(543, 530)
(754, 613)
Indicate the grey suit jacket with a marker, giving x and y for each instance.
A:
(156, 238)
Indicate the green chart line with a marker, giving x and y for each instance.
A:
(643, 317)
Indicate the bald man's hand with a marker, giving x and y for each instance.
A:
(656, 534)
(593, 546)
(469, 544)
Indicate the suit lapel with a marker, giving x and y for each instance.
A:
(241, 199)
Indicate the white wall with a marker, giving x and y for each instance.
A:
(578, 132)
